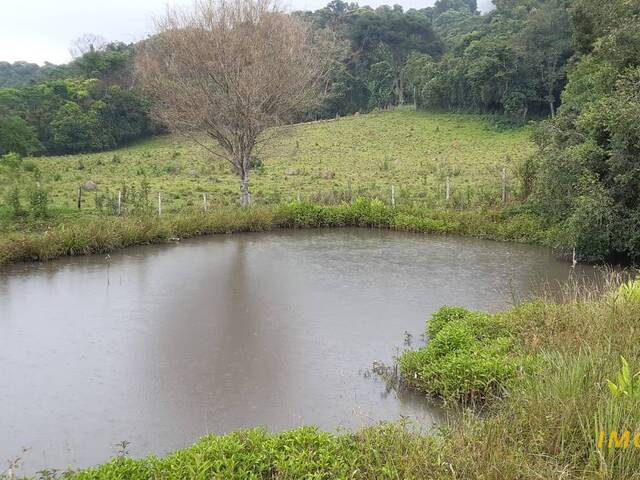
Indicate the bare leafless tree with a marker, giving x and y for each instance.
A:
(87, 43)
(231, 69)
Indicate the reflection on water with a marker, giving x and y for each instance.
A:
(160, 345)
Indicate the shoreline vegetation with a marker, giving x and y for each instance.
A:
(528, 390)
(102, 234)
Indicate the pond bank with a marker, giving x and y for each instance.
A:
(226, 332)
(102, 234)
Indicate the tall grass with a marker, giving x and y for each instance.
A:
(549, 422)
(85, 235)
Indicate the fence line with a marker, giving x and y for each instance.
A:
(446, 192)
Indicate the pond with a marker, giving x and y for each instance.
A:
(161, 345)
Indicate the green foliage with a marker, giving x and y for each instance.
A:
(414, 222)
(443, 316)
(380, 84)
(510, 62)
(21, 74)
(628, 384)
(17, 136)
(39, 201)
(588, 176)
(13, 200)
(11, 161)
(468, 357)
(455, 24)
(390, 450)
(630, 291)
(71, 115)
(74, 130)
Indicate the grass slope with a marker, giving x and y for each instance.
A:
(415, 151)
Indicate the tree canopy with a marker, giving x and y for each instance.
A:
(589, 178)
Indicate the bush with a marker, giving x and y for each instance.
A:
(443, 316)
(16, 135)
(11, 161)
(629, 291)
(467, 358)
(524, 227)
(39, 199)
(389, 450)
(13, 200)
(371, 213)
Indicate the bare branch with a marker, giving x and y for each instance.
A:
(232, 69)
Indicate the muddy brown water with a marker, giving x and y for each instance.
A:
(161, 345)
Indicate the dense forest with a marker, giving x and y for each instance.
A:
(86, 105)
(587, 170)
(510, 62)
(574, 64)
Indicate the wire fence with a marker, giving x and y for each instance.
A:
(449, 193)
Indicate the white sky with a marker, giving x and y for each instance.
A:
(43, 30)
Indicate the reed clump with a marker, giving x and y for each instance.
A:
(84, 235)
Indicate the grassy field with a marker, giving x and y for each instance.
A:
(322, 162)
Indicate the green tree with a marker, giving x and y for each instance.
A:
(546, 42)
(16, 135)
(390, 35)
(74, 130)
(589, 178)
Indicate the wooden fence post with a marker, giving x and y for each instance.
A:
(159, 203)
(393, 196)
(504, 185)
(79, 197)
(447, 189)
(119, 202)
(204, 201)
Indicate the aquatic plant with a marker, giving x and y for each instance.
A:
(467, 358)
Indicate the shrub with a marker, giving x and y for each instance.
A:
(39, 199)
(11, 160)
(389, 450)
(16, 135)
(13, 200)
(443, 316)
(29, 166)
(630, 291)
(373, 213)
(467, 358)
(524, 227)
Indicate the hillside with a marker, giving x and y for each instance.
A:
(414, 151)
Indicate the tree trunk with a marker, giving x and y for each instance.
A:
(245, 196)
(400, 88)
